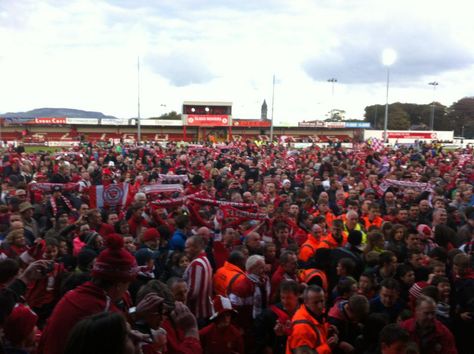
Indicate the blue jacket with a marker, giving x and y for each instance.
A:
(177, 241)
(376, 306)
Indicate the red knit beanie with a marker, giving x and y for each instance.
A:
(150, 234)
(19, 324)
(115, 263)
(415, 290)
(424, 230)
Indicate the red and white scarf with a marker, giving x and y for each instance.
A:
(55, 206)
(162, 188)
(173, 178)
(386, 183)
(48, 187)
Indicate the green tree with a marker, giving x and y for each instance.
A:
(398, 118)
(336, 115)
(418, 115)
(461, 113)
(375, 115)
(173, 115)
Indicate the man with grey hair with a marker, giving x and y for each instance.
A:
(250, 295)
(352, 223)
(140, 197)
(255, 267)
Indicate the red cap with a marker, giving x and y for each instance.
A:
(115, 263)
(20, 324)
(106, 172)
(150, 234)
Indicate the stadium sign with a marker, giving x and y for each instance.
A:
(365, 125)
(48, 120)
(335, 125)
(251, 123)
(412, 135)
(208, 120)
(315, 124)
(83, 121)
(332, 125)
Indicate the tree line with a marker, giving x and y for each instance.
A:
(403, 116)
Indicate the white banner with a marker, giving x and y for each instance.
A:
(161, 188)
(85, 121)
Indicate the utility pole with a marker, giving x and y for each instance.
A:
(332, 80)
(389, 56)
(375, 117)
(139, 128)
(273, 103)
(434, 84)
(385, 121)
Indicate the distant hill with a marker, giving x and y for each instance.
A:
(56, 112)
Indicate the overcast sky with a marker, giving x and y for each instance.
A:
(83, 54)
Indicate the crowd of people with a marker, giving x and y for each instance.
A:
(237, 248)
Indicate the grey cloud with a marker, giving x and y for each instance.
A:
(180, 69)
(15, 14)
(422, 52)
(188, 8)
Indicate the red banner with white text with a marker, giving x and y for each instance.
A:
(208, 120)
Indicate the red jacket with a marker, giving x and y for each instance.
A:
(46, 290)
(440, 340)
(135, 225)
(221, 253)
(241, 297)
(177, 343)
(277, 278)
(227, 340)
(86, 300)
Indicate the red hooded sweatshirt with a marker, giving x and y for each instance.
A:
(86, 300)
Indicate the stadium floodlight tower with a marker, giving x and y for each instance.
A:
(389, 56)
(434, 84)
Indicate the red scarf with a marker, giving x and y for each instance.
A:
(55, 206)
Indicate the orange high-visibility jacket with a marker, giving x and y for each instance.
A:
(225, 276)
(307, 331)
(308, 249)
(305, 276)
(377, 222)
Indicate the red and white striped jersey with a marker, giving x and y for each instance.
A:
(198, 276)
